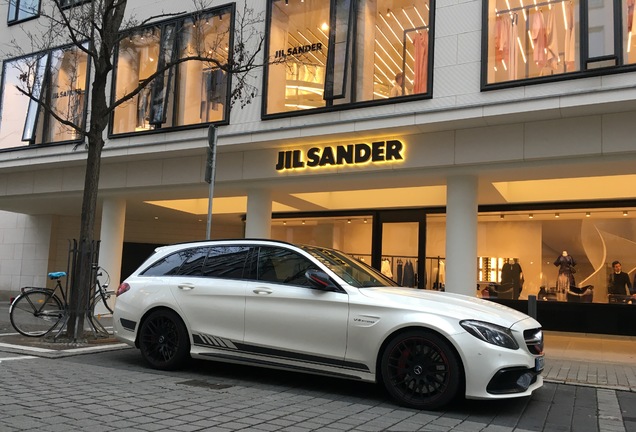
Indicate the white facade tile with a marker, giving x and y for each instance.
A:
(457, 80)
(145, 173)
(182, 170)
(618, 133)
(469, 47)
(489, 144)
(458, 18)
(562, 138)
(446, 51)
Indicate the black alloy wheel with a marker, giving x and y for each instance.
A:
(420, 370)
(164, 341)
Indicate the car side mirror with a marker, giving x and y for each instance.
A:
(320, 280)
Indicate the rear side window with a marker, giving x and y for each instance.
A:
(226, 262)
(170, 265)
(193, 265)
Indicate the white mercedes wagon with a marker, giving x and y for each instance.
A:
(318, 310)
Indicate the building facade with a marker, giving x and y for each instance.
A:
(477, 147)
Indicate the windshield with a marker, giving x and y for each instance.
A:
(354, 272)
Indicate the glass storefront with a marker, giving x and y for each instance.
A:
(194, 92)
(58, 78)
(557, 255)
(349, 234)
(553, 37)
(327, 53)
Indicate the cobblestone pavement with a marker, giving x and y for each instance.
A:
(107, 387)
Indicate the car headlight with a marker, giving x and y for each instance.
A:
(490, 333)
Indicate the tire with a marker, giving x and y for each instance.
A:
(420, 370)
(36, 313)
(164, 341)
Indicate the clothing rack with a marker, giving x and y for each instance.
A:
(530, 6)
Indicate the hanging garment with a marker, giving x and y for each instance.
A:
(502, 38)
(420, 42)
(386, 268)
(537, 31)
(409, 275)
(399, 272)
(513, 61)
(552, 40)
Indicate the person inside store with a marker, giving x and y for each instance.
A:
(398, 86)
(619, 283)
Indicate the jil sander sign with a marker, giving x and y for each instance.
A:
(352, 154)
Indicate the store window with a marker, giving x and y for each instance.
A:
(326, 53)
(528, 41)
(554, 37)
(20, 10)
(193, 92)
(561, 255)
(349, 234)
(58, 79)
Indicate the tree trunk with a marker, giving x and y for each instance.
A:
(82, 283)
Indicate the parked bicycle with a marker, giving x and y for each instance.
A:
(38, 311)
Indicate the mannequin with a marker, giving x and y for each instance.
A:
(565, 278)
(512, 277)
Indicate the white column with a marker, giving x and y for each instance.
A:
(259, 214)
(461, 235)
(112, 238)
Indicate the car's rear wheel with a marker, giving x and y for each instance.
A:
(420, 370)
(164, 341)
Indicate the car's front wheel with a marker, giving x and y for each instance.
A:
(420, 370)
(164, 341)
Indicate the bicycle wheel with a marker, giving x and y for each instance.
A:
(35, 313)
(103, 296)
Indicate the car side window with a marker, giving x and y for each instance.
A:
(226, 262)
(283, 266)
(168, 265)
(193, 265)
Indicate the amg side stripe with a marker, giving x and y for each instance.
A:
(226, 344)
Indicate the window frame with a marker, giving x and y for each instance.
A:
(175, 73)
(16, 20)
(351, 73)
(45, 92)
(585, 61)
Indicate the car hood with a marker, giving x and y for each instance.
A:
(447, 304)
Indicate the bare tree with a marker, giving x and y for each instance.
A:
(94, 30)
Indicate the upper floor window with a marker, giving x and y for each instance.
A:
(56, 79)
(326, 53)
(553, 37)
(20, 10)
(193, 92)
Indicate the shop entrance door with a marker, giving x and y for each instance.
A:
(400, 246)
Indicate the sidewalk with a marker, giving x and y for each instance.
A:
(601, 361)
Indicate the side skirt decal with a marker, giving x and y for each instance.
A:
(228, 345)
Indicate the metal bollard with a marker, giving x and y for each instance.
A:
(532, 306)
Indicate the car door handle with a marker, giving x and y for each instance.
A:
(262, 291)
(186, 287)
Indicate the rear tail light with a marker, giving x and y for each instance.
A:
(122, 289)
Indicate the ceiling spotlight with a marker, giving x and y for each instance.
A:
(348, 220)
(530, 216)
(625, 213)
(587, 214)
(388, 13)
(556, 215)
(284, 222)
(501, 216)
(303, 222)
(156, 217)
(365, 220)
